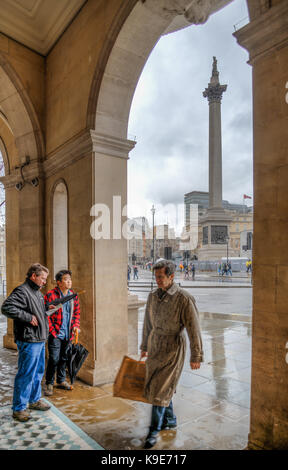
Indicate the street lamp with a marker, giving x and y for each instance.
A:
(153, 214)
(227, 240)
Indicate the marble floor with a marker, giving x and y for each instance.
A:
(212, 404)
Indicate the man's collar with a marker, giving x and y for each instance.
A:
(61, 293)
(32, 284)
(172, 290)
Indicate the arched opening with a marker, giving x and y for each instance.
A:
(60, 227)
(170, 119)
(22, 149)
(140, 33)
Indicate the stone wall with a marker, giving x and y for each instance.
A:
(266, 38)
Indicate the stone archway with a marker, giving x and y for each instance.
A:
(265, 37)
(147, 22)
(21, 141)
(18, 110)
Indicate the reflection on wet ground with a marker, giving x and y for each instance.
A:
(211, 404)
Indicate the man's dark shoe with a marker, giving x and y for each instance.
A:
(23, 415)
(65, 386)
(39, 405)
(151, 440)
(166, 427)
(49, 390)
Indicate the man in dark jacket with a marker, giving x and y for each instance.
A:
(63, 325)
(25, 305)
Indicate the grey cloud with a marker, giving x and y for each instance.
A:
(171, 124)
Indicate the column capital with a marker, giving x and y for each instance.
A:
(112, 146)
(214, 93)
(265, 33)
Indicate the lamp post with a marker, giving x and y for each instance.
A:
(227, 240)
(153, 214)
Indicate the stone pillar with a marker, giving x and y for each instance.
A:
(133, 309)
(266, 39)
(25, 240)
(214, 94)
(110, 257)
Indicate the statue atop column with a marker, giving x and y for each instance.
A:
(215, 91)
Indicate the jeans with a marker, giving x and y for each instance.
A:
(57, 360)
(162, 416)
(31, 367)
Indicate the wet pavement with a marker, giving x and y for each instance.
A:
(212, 404)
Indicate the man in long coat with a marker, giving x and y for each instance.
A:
(169, 310)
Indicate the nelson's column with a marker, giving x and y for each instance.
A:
(215, 222)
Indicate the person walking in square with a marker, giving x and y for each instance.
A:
(169, 310)
(135, 272)
(63, 325)
(128, 272)
(193, 269)
(25, 305)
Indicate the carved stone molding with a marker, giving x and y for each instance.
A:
(69, 153)
(266, 33)
(194, 11)
(112, 146)
(199, 11)
(30, 172)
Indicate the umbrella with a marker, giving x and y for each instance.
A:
(58, 303)
(76, 355)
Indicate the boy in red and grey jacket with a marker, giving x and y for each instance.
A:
(62, 326)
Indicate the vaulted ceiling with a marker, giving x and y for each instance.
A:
(37, 23)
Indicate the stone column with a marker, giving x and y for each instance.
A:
(214, 94)
(25, 240)
(134, 304)
(110, 257)
(266, 39)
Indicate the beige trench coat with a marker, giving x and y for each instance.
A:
(163, 338)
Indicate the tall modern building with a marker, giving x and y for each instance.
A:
(201, 198)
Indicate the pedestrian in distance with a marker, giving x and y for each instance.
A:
(249, 266)
(193, 269)
(63, 325)
(128, 272)
(135, 272)
(169, 310)
(186, 272)
(229, 269)
(25, 305)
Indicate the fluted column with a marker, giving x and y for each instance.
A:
(214, 94)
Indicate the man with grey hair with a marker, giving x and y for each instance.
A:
(169, 310)
(25, 305)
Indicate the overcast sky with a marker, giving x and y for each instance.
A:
(170, 116)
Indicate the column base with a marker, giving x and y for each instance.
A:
(8, 342)
(100, 374)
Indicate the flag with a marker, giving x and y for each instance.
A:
(246, 197)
